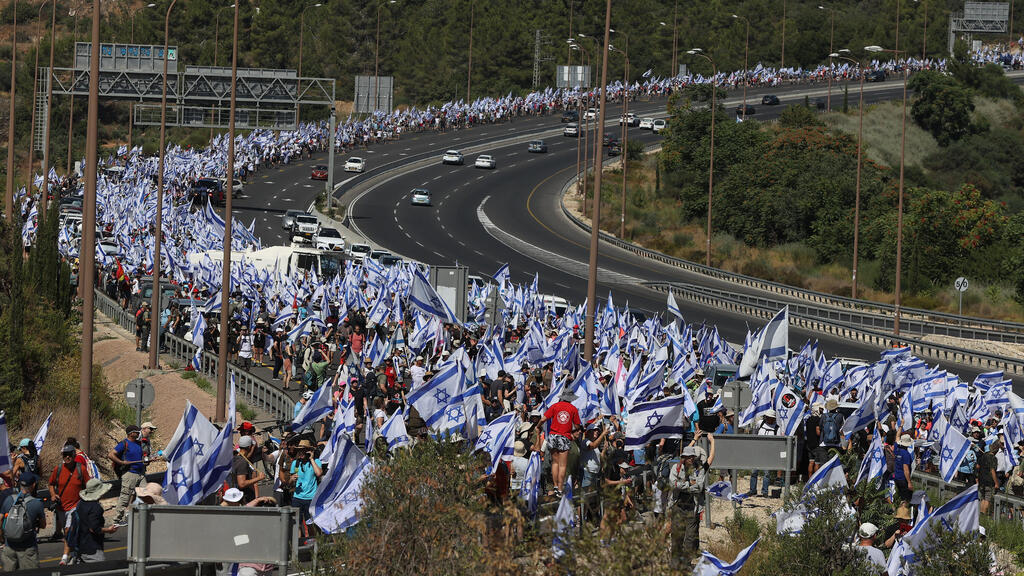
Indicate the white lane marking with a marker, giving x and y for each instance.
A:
(447, 195)
(418, 243)
(402, 154)
(402, 228)
(461, 243)
(438, 177)
(451, 172)
(438, 253)
(480, 177)
(274, 196)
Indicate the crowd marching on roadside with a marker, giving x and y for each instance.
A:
(384, 363)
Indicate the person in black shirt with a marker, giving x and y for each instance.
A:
(708, 419)
(85, 538)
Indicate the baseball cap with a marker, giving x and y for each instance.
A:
(419, 359)
(868, 530)
(245, 442)
(25, 442)
(246, 427)
(149, 425)
(132, 428)
(233, 495)
(67, 449)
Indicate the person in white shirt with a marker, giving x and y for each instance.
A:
(519, 464)
(767, 427)
(417, 371)
(867, 534)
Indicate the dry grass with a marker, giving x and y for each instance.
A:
(882, 133)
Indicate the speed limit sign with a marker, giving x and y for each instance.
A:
(961, 284)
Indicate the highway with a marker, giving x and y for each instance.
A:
(486, 218)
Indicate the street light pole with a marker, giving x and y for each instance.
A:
(376, 60)
(746, 51)
(35, 86)
(831, 37)
(625, 135)
(860, 136)
(9, 194)
(131, 105)
(675, 39)
(782, 64)
(711, 162)
(588, 345)
(46, 128)
(154, 327)
(469, 71)
(225, 287)
(302, 30)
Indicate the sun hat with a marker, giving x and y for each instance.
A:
(305, 443)
(149, 425)
(906, 441)
(245, 442)
(868, 530)
(153, 491)
(688, 451)
(68, 449)
(903, 512)
(567, 396)
(770, 413)
(519, 449)
(94, 489)
(832, 404)
(233, 495)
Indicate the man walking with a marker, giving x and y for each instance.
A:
(23, 517)
(128, 458)
(688, 480)
(66, 483)
(85, 536)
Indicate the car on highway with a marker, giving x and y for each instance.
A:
(237, 186)
(608, 139)
(615, 149)
(452, 157)
(288, 219)
(378, 254)
(571, 129)
(658, 126)
(875, 76)
(750, 110)
(208, 188)
(769, 100)
(537, 146)
(329, 239)
(390, 260)
(359, 251)
(647, 124)
(591, 114)
(319, 172)
(420, 197)
(570, 116)
(305, 226)
(629, 119)
(355, 164)
(485, 161)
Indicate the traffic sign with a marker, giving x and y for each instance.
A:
(139, 393)
(961, 284)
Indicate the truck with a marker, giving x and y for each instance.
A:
(284, 259)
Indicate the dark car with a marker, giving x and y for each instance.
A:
(608, 140)
(570, 116)
(875, 76)
(770, 100)
(319, 172)
(537, 146)
(748, 109)
(208, 188)
(614, 149)
(820, 103)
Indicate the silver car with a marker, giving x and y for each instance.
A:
(288, 220)
(420, 197)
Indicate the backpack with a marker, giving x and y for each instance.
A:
(830, 429)
(16, 525)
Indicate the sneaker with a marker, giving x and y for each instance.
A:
(121, 523)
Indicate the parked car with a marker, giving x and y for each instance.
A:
(359, 251)
(571, 129)
(537, 146)
(288, 220)
(485, 161)
(452, 157)
(875, 76)
(378, 254)
(319, 172)
(608, 139)
(750, 110)
(647, 124)
(390, 260)
(658, 126)
(769, 100)
(208, 188)
(570, 116)
(355, 164)
(329, 239)
(305, 226)
(420, 197)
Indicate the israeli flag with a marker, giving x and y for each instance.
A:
(198, 327)
(830, 475)
(873, 464)
(530, 489)
(423, 297)
(188, 452)
(434, 396)
(953, 448)
(5, 454)
(960, 513)
(316, 408)
(862, 416)
(40, 437)
(336, 505)
(770, 343)
(498, 439)
(709, 565)
(648, 421)
(394, 431)
(565, 520)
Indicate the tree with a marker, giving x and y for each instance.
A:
(943, 106)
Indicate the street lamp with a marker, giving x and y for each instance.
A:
(579, 131)
(860, 133)
(469, 67)
(134, 12)
(711, 163)
(831, 36)
(298, 85)
(154, 328)
(46, 128)
(899, 213)
(586, 133)
(746, 51)
(9, 194)
(376, 60)
(782, 64)
(216, 33)
(625, 135)
(924, 40)
(35, 86)
(131, 105)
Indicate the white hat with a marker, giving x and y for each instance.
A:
(419, 359)
(770, 413)
(445, 353)
(906, 441)
(233, 495)
(868, 530)
(245, 442)
(689, 451)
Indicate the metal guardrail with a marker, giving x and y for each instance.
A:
(935, 322)
(766, 309)
(251, 389)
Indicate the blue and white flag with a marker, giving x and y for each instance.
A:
(5, 455)
(343, 468)
(423, 297)
(498, 439)
(953, 449)
(673, 308)
(502, 275)
(394, 431)
(434, 396)
(316, 407)
(654, 420)
(530, 489)
(862, 416)
(960, 513)
(771, 343)
(830, 475)
(565, 520)
(723, 489)
(873, 464)
(40, 436)
(710, 565)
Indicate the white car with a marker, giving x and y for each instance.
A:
(571, 129)
(329, 239)
(452, 157)
(658, 125)
(359, 251)
(590, 114)
(420, 197)
(354, 164)
(647, 124)
(305, 226)
(485, 161)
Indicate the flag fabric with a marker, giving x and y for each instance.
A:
(498, 439)
(530, 489)
(40, 436)
(5, 455)
(198, 327)
(873, 464)
(830, 475)
(316, 407)
(502, 275)
(960, 513)
(346, 467)
(673, 308)
(771, 343)
(654, 420)
(394, 431)
(709, 565)
(423, 297)
(954, 448)
(565, 520)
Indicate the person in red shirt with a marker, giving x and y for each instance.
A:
(565, 424)
(66, 482)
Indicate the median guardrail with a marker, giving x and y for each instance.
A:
(765, 308)
(249, 388)
(912, 319)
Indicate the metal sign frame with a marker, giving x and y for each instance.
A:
(572, 77)
(452, 285)
(363, 101)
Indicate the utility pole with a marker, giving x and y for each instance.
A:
(536, 59)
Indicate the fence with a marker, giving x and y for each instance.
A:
(251, 389)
